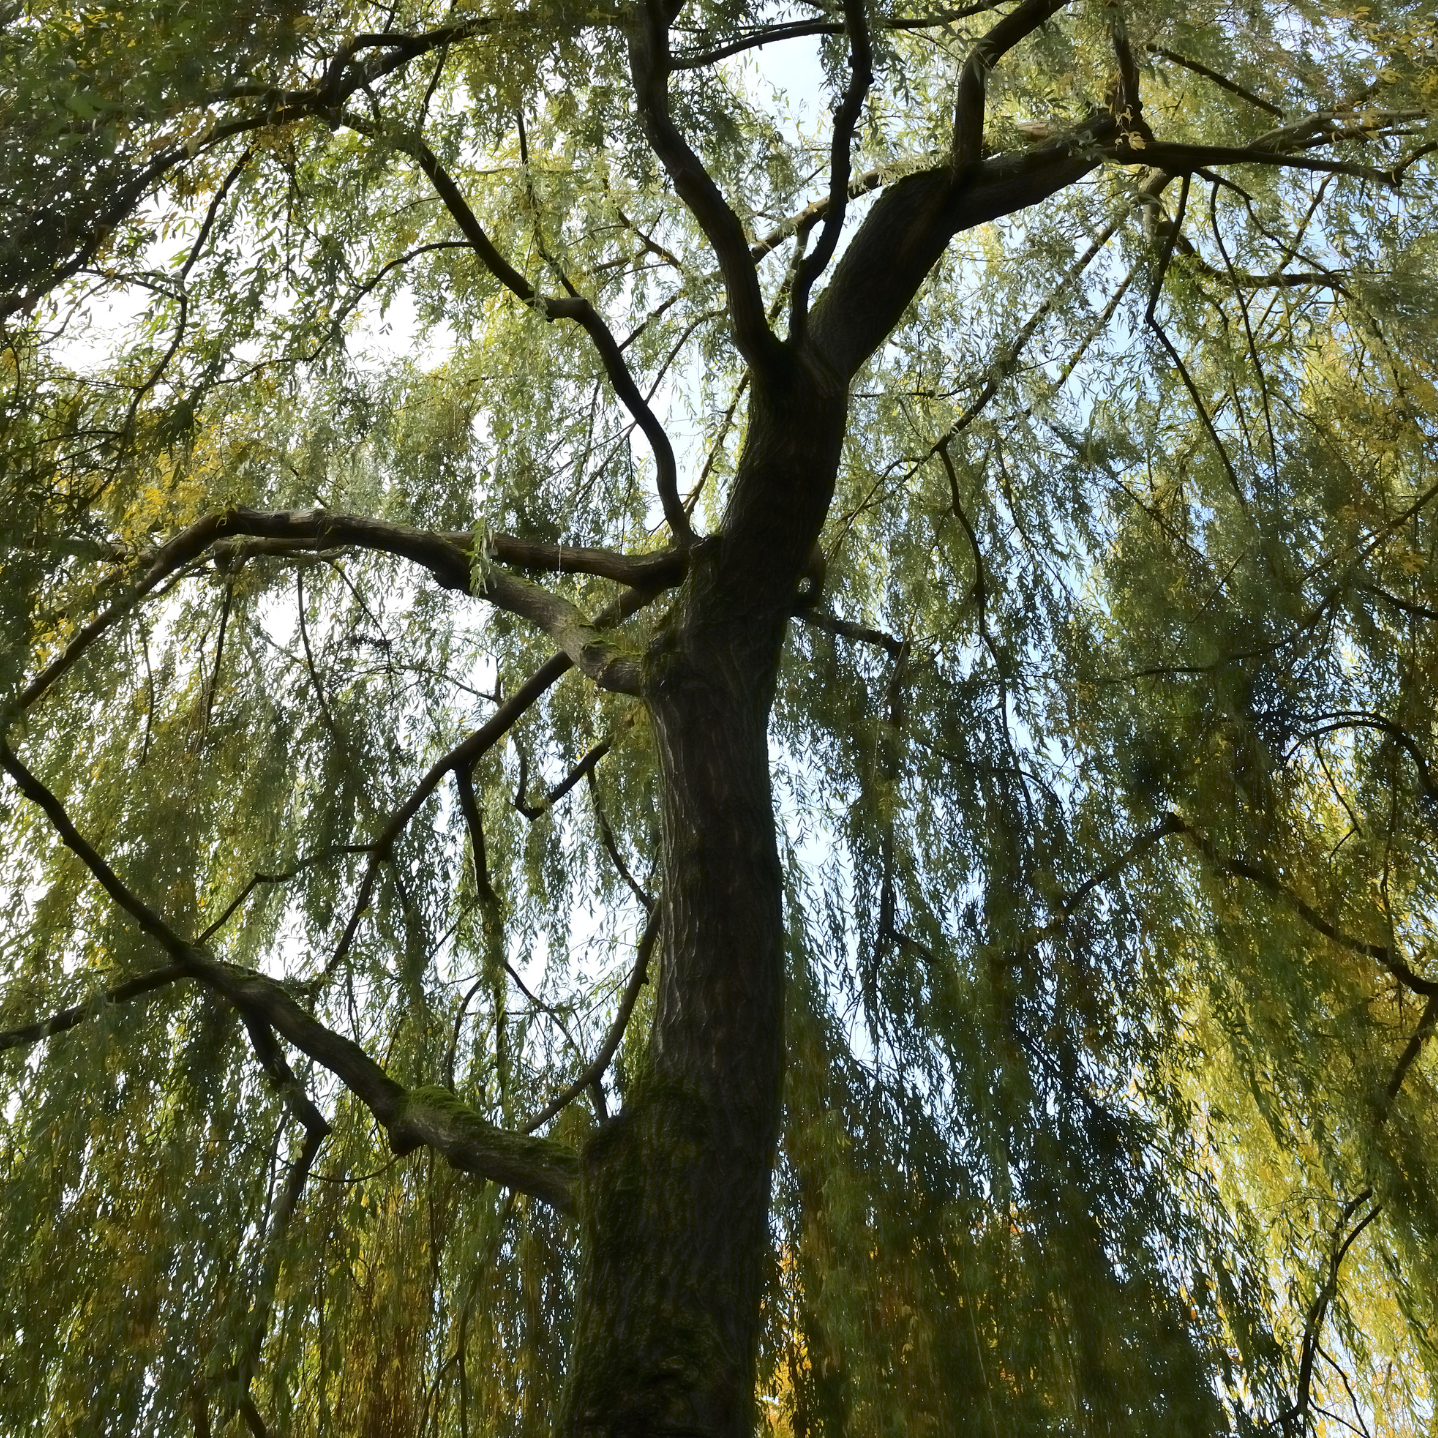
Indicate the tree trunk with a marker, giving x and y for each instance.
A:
(675, 1202)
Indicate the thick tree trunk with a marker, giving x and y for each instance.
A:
(675, 1202)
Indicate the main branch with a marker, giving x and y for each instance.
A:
(541, 1167)
(650, 65)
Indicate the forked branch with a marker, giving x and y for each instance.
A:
(238, 535)
(568, 307)
(846, 117)
(412, 1117)
(461, 759)
(650, 66)
(969, 107)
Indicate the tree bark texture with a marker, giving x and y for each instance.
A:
(675, 1191)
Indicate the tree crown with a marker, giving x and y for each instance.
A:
(1102, 741)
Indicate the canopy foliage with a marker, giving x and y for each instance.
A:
(1103, 747)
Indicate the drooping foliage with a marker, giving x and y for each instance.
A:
(1103, 751)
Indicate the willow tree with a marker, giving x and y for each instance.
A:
(808, 804)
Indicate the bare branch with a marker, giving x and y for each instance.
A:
(469, 807)
(800, 29)
(1185, 159)
(606, 834)
(1221, 80)
(1426, 1025)
(1361, 719)
(1169, 824)
(462, 757)
(660, 570)
(570, 307)
(847, 629)
(1151, 319)
(284, 877)
(554, 795)
(238, 535)
(173, 556)
(810, 215)
(1296, 1414)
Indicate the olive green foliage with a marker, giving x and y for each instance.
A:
(1095, 1059)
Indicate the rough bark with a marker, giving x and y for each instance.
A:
(675, 1191)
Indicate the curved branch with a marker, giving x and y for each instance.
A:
(1427, 1023)
(554, 795)
(606, 834)
(411, 1117)
(601, 1061)
(238, 535)
(801, 29)
(650, 67)
(1361, 719)
(1169, 824)
(570, 307)
(846, 117)
(1220, 80)
(969, 106)
(1382, 953)
(462, 757)
(1318, 1309)
(608, 664)
(259, 877)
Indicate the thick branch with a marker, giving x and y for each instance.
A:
(241, 534)
(660, 570)
(607, 663)
(540, 1167)
(649, 65)
(913, 221)
(968, 137)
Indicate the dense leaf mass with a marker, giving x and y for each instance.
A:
(1104, 761)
